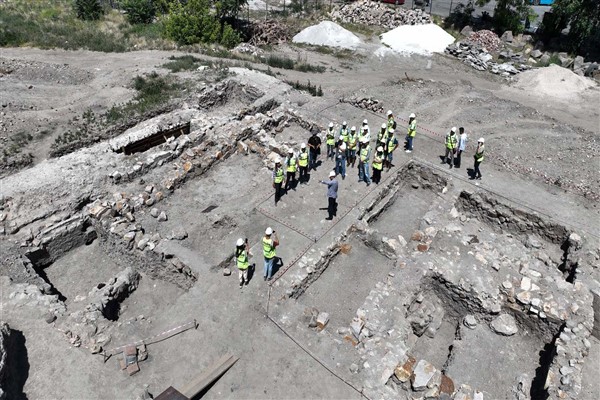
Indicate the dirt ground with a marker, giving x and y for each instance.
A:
(541, 155)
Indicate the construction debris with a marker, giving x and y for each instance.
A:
(268, 32)
(480, 59)
(373, 13)
(367, 103)
(486, 39)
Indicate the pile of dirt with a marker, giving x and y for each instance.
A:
(417, 39)
(375, 13)
(554, 81)
(328, 33)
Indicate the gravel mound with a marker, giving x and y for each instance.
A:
(375, 13)
(487, 39)
(328, 33)
(417, 39)
(554, 81)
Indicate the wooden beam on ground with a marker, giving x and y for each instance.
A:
(208, 376)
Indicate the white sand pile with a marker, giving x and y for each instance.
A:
(328, 33)
(553, 81)
(419, 39)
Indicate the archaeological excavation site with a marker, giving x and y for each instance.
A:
(118, 278)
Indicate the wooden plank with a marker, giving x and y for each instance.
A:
(209, 375)
(171, 394)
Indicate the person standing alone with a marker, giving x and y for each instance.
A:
(241, 259)
(270, 242)
(332, 189)
(478, 159)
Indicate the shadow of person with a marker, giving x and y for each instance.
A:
(251, 269)
(471, 173)
(277, 264)
(17, 366)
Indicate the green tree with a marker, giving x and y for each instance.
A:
(509, 15)
(139, 11)
(89, 10)
(583, 17)
(229, 9)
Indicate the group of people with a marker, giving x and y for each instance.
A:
(347, 147)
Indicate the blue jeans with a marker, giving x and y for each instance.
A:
(340, 166)
(330, 150)
(363, 172)
(409, 142)
(268, 271)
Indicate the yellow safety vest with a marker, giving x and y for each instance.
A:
(412, 128)
(330, 137)
(268, 248)
(291, 164)
(479, 154)
(242, 259)
(390, 144)
(451, 141)
(278, 175)
(378, 161)
(364, 153)
(352, 142)
(390, 123)
(303, 159)
(344, 135)
(382, 136)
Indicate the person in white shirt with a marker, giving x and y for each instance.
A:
(462, 145)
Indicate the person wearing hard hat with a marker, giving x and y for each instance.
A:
(363, 161)
(277, 178)
(390, 146)
(462, 145)
(314, 149)
(365, 131)
(303, 163)
(378, 165)
(478, 159)
(330, 141)
(332, 189)
(352, 144)
(242, 250)
(391, 122)
(451, 145)
(412, 131)
(270, 242)
(291, 165)
(382, 136)
(340, 158)
(344, 133)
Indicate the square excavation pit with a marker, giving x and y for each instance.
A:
(346, 281)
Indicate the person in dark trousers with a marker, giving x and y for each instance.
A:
(340, 158)
(303, 164)
(378, 165)
(291, 165)
(478, 159)
(451, 145)
(332, 189)
(242, 250)
(277, 180)
(314, 149)
(462, 146)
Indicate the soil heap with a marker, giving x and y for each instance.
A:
(417, 39)
(554, 81)
(328, 33)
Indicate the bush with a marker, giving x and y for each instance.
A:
(230, 37)
(461, 16)
(183, 63)
(88, 10)
(139, 11)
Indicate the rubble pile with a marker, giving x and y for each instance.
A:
(268, 32)
(486, 39)
(247, 48)
(480, 59)
(375, 13)
(367, 103)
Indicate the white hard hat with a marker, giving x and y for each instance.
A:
(269, 231)
(303, 146)
(481, 140)
(240, 242)
(343, 146)
(453, 129)
(412, 115)
(383, 126)
(332, 174)
(365, 121)
(392, 130)
(344, 123)
(353, 129)
(331, 124)
(291, 151)
(389, 113)
(380, 149)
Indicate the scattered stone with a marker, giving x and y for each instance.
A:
(470, 321)
(422, 374)
(177, 234)
(525, 283)
(404, 372)
(422, 247)
(162, 216)
(446, 385)
(154, 212)
(507, 36)
(226, 271)
(504, 325)
(322, 320)
(356, 326)
(50, 318)
(353, 368)
(536, 53)
(417, 236)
